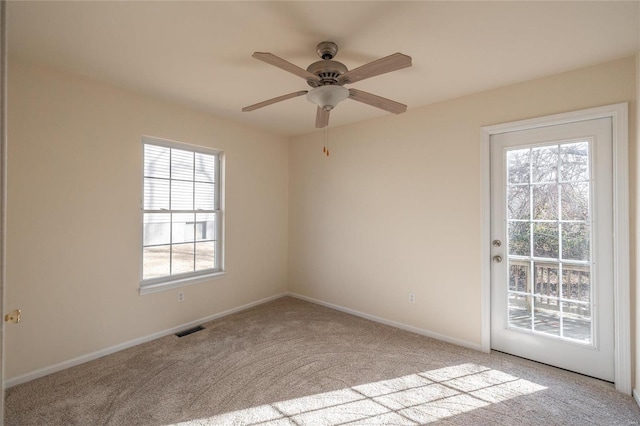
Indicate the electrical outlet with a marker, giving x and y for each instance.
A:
(412, 298)
(181, 296)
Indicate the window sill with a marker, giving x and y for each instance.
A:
(177, 283)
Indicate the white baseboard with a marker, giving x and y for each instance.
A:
(636, 396)
(107, 351)
(395, 324)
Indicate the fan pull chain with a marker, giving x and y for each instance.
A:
(325, 148)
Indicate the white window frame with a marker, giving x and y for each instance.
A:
(153, 285)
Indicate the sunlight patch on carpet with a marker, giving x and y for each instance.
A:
(409, 400)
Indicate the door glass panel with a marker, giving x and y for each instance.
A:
(518, 205)
(575, 241)
(519, 239)
(574, 201)
(520, 311)
(519, 166)
(549, 236)
(546, 279)
(546, 317)
(544, 164)
(575, 283)
(574, 162)
(545, 240)
(519, 276)
(545, 201)
(576, 322)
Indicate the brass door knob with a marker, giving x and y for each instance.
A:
(497, 259)
(13, 316)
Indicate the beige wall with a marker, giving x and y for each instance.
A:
(74, 231)
(396, 208)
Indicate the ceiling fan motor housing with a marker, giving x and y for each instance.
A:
(327, 71)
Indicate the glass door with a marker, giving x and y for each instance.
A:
(552, 282)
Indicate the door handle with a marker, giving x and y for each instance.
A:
(497, 259)
(14, 316)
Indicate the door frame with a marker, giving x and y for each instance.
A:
(620, 139)
(4, 52)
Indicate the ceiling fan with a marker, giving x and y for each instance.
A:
(328, 77)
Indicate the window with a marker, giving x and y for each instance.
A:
(182, 218)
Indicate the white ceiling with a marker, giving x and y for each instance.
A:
(199, 53)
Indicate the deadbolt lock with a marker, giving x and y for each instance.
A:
(496, 243)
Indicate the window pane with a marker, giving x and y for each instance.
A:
(205, 255)
(518, 202)
(575, 241)
(205, 167)
(576, 322)
(545, 202)
(205, 196)
(520, 311)
(156, 161)
(156, 229)
(576, 283)
(519, 239)
(574, 162)
(181, 164)
(519, 275)
(518, 165)
(156, 262)
(546, 279)
(181, 195)
(206, 227)
(182, 258)
(546, 317)
(183, 227)
(156, 194)
(544, 162)
(545, 240)
(575, 201)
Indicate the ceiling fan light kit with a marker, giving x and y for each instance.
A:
(327, 97)
(328, 77)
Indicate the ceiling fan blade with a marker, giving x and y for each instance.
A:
(387, 64)
(274, 100)
(276, 61)
(322, 118)
(377, 101)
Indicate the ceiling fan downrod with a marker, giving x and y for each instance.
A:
(327, 49)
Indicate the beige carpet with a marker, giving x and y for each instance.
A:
(289, 362)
